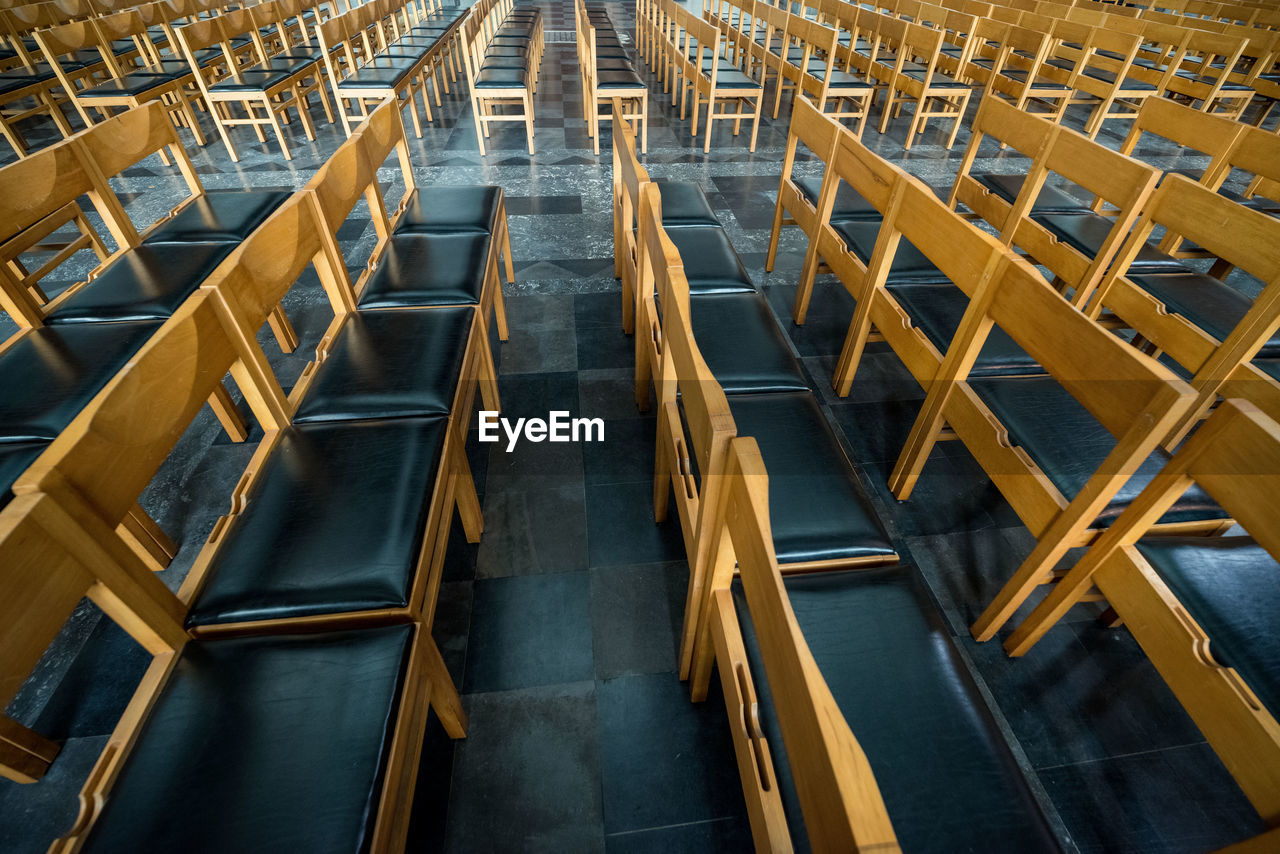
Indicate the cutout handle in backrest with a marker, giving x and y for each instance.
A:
(841, 802)
(112, 449)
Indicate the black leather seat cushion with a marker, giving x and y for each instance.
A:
(732, 78)
(944, 769)
(1070, 445)
(333, 524)
(219, 215)
(50, 373)
(1231, 587)
(743, 344)
(1214, 306)
(849, 206)
(1086, 232)
(909, 264)
(146, 283)
(501, 78)
(1049, 200)
(936, 309)
(390, 364)
(816, 506)
(385, 78)
(428, 269)
(685, 203)
(253, 80)
(619, 79)
(710, 263)
(439, 209)
(265, 743)
(129, 85)
(15, 457)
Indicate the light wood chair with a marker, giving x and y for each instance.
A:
(1198, 608)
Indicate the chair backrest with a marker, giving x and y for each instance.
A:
(105, 458)
(1257, 152)
(1189, 128)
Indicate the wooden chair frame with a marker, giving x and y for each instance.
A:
(1235, 456)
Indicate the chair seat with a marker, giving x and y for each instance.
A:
(1049, 200)
(437, 209)
(380, 78)
(51, 372)
(15, 458)
(16, 81)
(390, 364)
(743, 345)
(1231, 587)
(816, 507)
(909, 264)
(936, 310)
(1086, 232)
(937, 81)
(130, 85)
(1070, 445)
(502, 78)
(849, 205)
(146, 283)
(333, 524)
(1040, 84)
(1214, 306)
(620, 79)
(429, 269)
(1128, 84)
(710, 263)
(253, 80)
(243, 741)
(840, 79)
(685, 203)
(218, 216)
(732, 78)
(944, 769)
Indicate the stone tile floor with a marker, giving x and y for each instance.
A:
(560, 625)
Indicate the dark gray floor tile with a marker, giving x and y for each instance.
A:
(1179, 800)
(625, 455)
(528, 631)
(532, 532)
(722, 835)
(665, 760)
(636, 615)
(527, 777)
(541, 335)
(621, 528)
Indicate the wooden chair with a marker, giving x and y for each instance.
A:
(383, 678)
(1099, 71)
(1017, 71)
(1073, 238)
(1199, 608)
(910, 75)
(820, 78)
(822, 518)
(507, 82)
(27, 90)
(265, 91)
(1092, 386)
(609, 80)
(1202, 324)
(128, 85)
(710, 78)
(836, 751)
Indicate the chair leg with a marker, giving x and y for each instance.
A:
(286, 337)
(528, 122)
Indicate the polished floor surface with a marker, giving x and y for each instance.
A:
(560, 626)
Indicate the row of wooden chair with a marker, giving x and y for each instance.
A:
(310, 605)
(1021, 389)
(608, 75)
(408, 50)
(691, 55)
(123, 58)
(724, 371)
(504, 45)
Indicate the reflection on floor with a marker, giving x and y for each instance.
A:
(560, 626)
